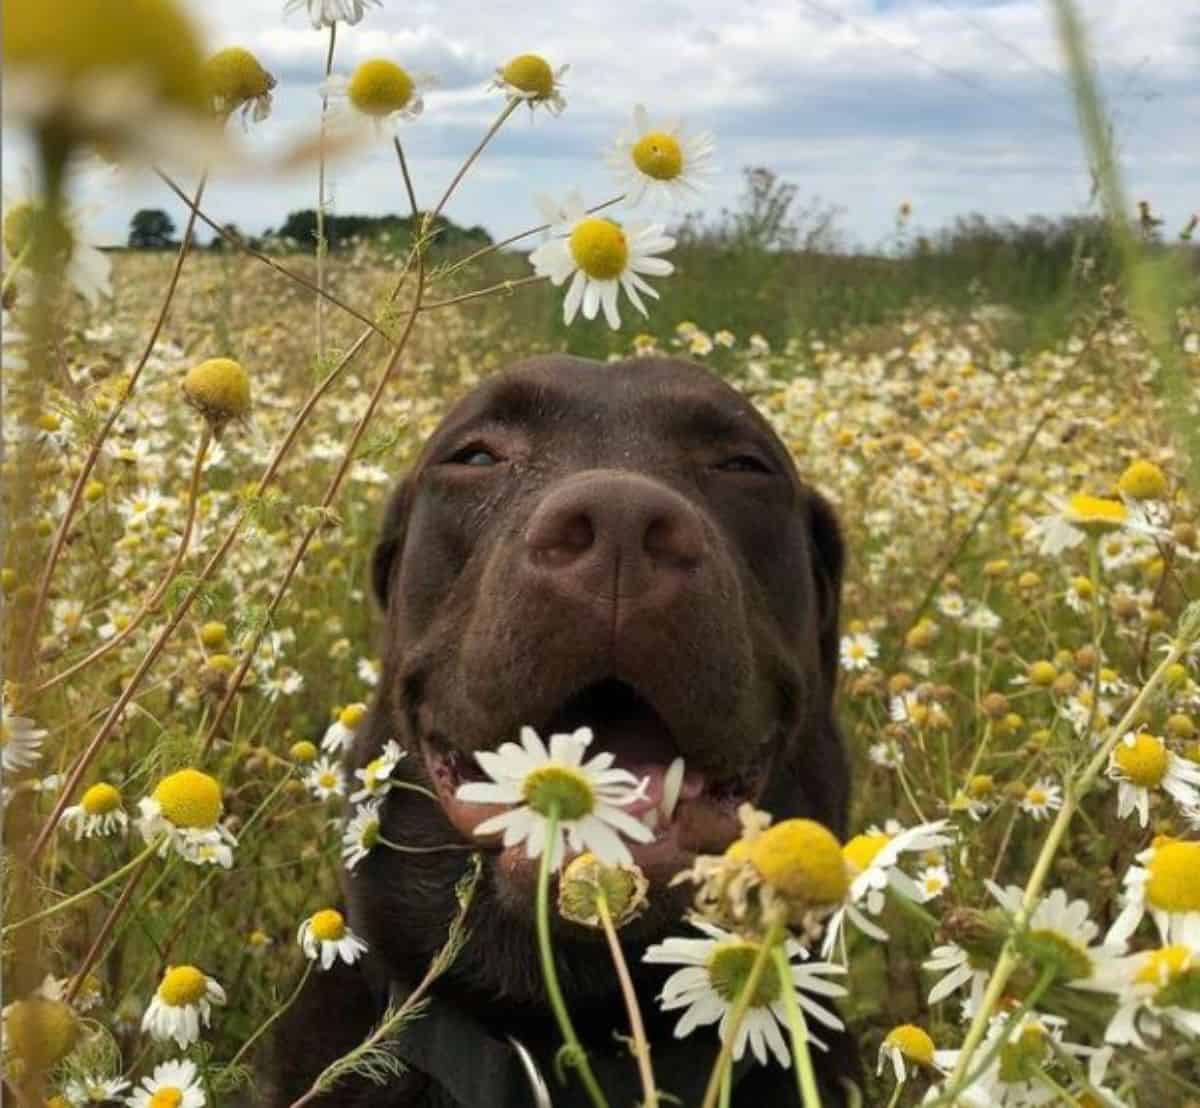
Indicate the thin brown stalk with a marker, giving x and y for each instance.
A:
(503, 286)
(160, 590)
(320, 304)
(641, 1046)
(505, 112)
(73, 502)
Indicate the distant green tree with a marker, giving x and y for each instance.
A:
(151, 229)
(395, 230)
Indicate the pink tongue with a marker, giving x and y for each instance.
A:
(655, 774)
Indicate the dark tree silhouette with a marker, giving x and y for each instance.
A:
(151, 229)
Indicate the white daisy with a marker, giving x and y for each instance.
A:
(1059, 933)
(874, 857)
(665, 163)
(325, 779)
(184, 811)
(20, 742)
(94, 1090)
(182, 1003)
(858, 651)
(932, 881)
(601, 258)
(1166, 885)
(903, 1044)
(368, 671)
(955, 964)
(86, 269)
(361, 833)
(1041, 798)
(176, 1083)
(325, 13)
(340, 733)
(376, 776)
(98, 812)
(379, 91)
(887, 754)
(714, 973)
(1073, 519)
(1141, 762)
(529, 778)
(529, 77)
(325, 935)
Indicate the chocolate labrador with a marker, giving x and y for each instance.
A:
(625, 546)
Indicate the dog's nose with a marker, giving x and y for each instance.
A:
(615, 535)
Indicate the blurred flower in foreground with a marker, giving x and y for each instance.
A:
(126, 78)
(86, 269)
(1166, 885)
(325, 13)
(234, 79)
(95, 1090)
(182, 1002)
(325, 936)
(664, 164)
(529, 77)
(20, 741)
(1074, 519)
(601, 258)
(379, 90)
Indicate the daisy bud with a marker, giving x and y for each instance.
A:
(802, 860)
(212, 636)
(303, 752)
(39, 1032)
(1143, 480)
(1042, 674)
(1180, 726)
(1028, 581)
(220, 390)
(995, 705)
(586, 879)
(189, 798)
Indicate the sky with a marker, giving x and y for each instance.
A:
(950, 105)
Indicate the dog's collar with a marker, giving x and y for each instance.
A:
(480, 1070)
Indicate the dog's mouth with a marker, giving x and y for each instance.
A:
(688, 810)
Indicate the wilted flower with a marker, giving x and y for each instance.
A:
(529, 77)
(324, 935)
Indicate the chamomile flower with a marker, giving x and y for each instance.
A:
(858, 651)
(1058, 934)
(380, 91)
(1074, 519)
(664, 163)
(1141, 762)
(714, 974)
(931, 882)
(98, 812)
(85, 268)
(325, 13)
(185, 807)
(873, 859)
(361, 833)
(182, 1003)
(601, 258)
(325, 779)
(340, 733)
(94, 1090)
(530, 779)
(324, 935)
(906, 1044)
(376, 775)
(1166, 885)
(235, 80)
(529, 77)
(1041, 798)
(20, 742)
(958, 969)
(174, 1084)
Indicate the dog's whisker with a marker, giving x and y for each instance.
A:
(672, 784)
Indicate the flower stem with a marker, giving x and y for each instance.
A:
(894, 1099)
(321, 245)
(774, 935)
(267, 1023)
(641, 1048)
(806, 1079)
(578, 1058)
(84, 894)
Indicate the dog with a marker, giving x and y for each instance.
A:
(625, 546)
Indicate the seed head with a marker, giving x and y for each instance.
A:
(220, 389)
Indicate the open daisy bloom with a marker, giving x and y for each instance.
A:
(340, 733)
(379, 91)
(325, 13)
(182, 1003)
(1082, 515)
(1141, 762)
(714, 975)
(595, 803)
(600, 257)
(662, 163)
(903, 1045)
(376, 775)
(529, 77)
(20, 742)
(98, 812)
(185, 808)
(361, 833)
(1166, 885)
(176, 1083)
(324, 935)
(95, 1090)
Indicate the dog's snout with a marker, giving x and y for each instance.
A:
(615, 535)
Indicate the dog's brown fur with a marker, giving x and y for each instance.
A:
(728, 627)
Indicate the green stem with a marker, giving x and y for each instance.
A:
(79, 897)
(894, 1099)
(806, 1079)
(577, 1057)
(267, 1023)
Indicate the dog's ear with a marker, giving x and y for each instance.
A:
(829, 561)
(391, 541)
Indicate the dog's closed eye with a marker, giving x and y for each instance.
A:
(473, 454)
(743, 463)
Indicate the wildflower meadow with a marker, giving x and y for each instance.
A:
(198, 448)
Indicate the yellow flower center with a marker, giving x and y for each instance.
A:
(371, 773)
(166, 1096)
(379, 87)
(181, 986)
(327, 779)
(352, 715)
(212, 635)
(729, 968)
(100, 799)
(1144, 761)
(1036, 796)
(530, 74)
(913, 1042)
(1164, 965)
(563, 786)
(801, 858)
(861, 850)
(220, 388)
(1174, 877)
(189, 798)
(328, 925)
(1143, 480)
(658, 154)
(233, 76)
(303, 751)
(1095, 513)
(981, 785)
(1042, 673)
(369, 835)
(599, 248)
